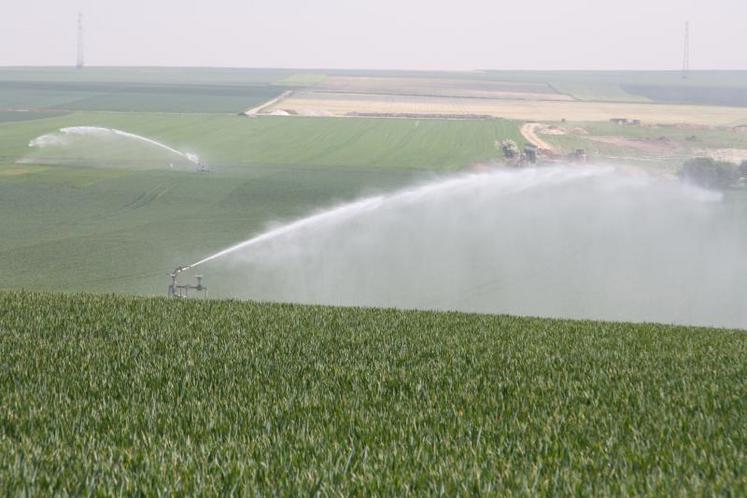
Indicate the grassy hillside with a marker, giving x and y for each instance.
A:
(112, 395)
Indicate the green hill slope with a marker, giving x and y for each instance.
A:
(115, 395)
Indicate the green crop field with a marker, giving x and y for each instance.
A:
(134, 396)
(145, 75)
(144, 89)
(121, 226)
(126, 97)
(115, 230)
(235, 140)
(123, 395)
(701, 87)
(112, 216)
(6, 116)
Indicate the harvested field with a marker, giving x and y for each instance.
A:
(344, 104)
(441, 88)
(411, 115)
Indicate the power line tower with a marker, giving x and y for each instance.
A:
(686, 53)
(80, 62)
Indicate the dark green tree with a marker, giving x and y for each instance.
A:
(743, 169)
(709, 173)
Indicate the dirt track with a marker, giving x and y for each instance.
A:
(529, 132)
(261, 107)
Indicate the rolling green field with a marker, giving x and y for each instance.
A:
(155, 75)
(7, 116)
(112, 216)
(701, 87)
(121, 228)
(133, 97)
(232, 140)
(110, 230)
(121, 396)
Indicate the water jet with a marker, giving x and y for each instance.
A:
(64, 136)
(581, 241)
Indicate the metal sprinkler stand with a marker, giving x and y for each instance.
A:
(182, 290)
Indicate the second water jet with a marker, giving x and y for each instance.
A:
(83, 143)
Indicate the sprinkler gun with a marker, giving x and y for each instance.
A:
(182, 290)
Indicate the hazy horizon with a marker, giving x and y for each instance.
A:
(419, 35)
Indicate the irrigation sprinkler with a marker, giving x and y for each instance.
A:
(202, 167)
(182, 290)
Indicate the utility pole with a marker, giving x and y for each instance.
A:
(80, 62)
(686, 53)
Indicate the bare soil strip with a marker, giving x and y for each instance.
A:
(433, 87)
(345, 104)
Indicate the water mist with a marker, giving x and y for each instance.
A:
(580, 242)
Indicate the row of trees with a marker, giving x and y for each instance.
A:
(709, 173)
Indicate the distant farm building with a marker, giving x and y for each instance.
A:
(626, 121)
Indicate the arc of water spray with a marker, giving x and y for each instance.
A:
(342, 212)
(355, 208)
(97, 130)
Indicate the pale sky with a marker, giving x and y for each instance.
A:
(378, 34)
